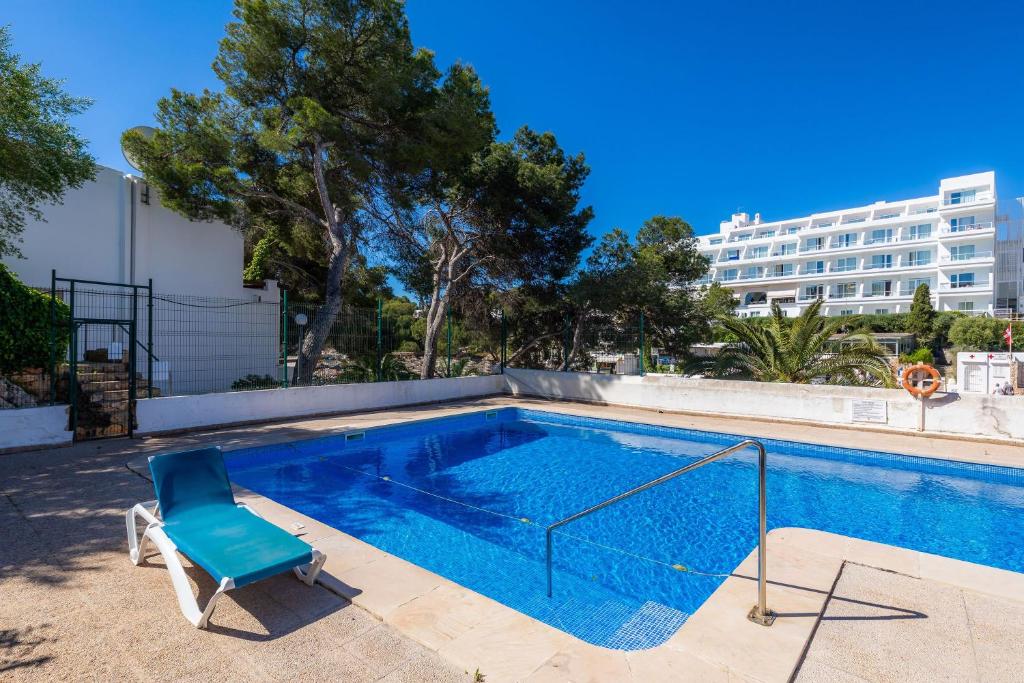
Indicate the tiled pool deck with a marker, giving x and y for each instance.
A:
(74, 607)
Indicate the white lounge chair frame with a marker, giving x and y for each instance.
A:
(186, 600)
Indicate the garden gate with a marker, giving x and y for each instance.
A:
(102, 376)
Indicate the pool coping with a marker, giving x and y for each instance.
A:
(716, 643)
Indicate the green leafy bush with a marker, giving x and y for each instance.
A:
(25, 325)
(251, 382)
(977, 334)
(921, 355)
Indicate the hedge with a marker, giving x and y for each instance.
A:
(25, 325)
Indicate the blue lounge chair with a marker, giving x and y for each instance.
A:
(200, 518)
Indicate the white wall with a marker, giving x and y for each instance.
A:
(193, 412)
(34, 428)
(89, 236)
(989, 416)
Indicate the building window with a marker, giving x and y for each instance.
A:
(758, 252)
(847, 240)
(717, 240)
(961, 224)
(846, 311)
(961, 197)
(732, 255)
(881, 311)
(880, 236)
(754, 298)
(814, 243)
(786, 250)
(812, 292)
(919, 232)
(881, 261)
(844, 290)
(958, 280)
(730, 274)
(920, 258)
(965, 306)
(881, 288)
(782, 269)
(785, 300)
(845, 264)
(743, 238)
(962, 252)
(914, 283)
(767, 233)
(814, 268)
(753, 273)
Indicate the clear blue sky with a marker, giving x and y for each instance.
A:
(694, 110)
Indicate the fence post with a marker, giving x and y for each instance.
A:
(504, 341)
(53, 336)
(380, 338)
(566, 327)
(149, 342)
(284, 336)
(449, 340)
(643, 350)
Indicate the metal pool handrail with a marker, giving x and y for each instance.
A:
(759, 613)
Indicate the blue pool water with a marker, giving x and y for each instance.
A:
(467, 497)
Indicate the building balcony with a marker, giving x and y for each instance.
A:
(877, 266)
(842, 295)
(976, 198)
(964, 287)
(973, 227)
(810, 297)
(966, 258)
(870, 241)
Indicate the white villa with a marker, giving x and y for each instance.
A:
(870, 259)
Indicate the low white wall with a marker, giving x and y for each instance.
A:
(34, 428)
(966, 414)
(173, 413)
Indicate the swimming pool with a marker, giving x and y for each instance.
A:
(467, 497)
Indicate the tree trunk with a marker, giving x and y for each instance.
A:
(577, 341)
(435, 321)
(312, 343)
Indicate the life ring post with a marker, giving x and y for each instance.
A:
(921, 381)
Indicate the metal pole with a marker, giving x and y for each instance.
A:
(449, 340)
(284, 336)
(131, 375)
(566, 327)
(380, 338)
(504, 341)
(643, 351)
(53, 337)
(149, 342)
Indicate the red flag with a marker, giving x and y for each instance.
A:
(1008, 335)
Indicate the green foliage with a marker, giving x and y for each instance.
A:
(25, 325)
(365, 369)
(41, 155)
(977, 333)
(941, 325)
(716, 302)
(800, 351)
(253, 382)
(921, 355)
(257, 268)
(921, 319)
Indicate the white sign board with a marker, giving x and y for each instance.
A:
(864, 410)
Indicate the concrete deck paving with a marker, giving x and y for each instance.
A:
(74, 607)
(886, 626)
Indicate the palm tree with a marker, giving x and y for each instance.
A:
(800, 351)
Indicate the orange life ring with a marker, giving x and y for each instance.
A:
(922, 391)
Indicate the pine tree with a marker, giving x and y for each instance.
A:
(921, 320)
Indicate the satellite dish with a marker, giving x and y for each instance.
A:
(144, 131)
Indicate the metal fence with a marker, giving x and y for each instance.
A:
(186, 345)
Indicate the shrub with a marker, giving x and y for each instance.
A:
(921, 355)
(976, 334)
(942, 324)
(25, 325)
(251, 382)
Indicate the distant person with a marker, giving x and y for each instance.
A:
(1007, 389)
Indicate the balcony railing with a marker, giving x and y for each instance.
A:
(949, 286)
(842, 295)
(807, 247)
(875, 295)
(957, 258)
(969, 199)
(868, 241)
(810, 297)
(843, 245)
(877, 266)
(966, 228)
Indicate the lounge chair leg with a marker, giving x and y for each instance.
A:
(137, 546)
(312, 570)
(182, 589)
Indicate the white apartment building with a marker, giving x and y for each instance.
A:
(870, 259)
